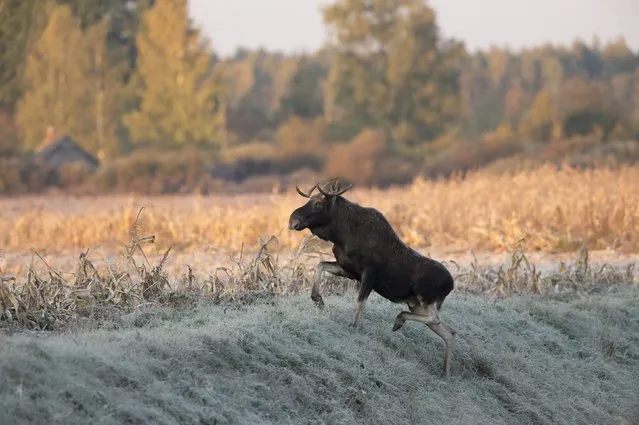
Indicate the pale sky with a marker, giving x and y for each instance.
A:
(296, 25)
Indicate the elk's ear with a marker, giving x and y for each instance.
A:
(331, 186)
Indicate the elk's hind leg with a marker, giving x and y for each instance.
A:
(429, 315)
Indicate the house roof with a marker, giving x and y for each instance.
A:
(64, 143)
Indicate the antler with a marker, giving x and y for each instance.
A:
(334, 192)
(306, 195)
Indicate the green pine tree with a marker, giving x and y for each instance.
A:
(391, 70)
(21, 22)
(70, 86)
(55, 82)
(180, 94)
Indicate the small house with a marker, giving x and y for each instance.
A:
(65, 150)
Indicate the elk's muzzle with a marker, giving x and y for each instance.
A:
(295, 222)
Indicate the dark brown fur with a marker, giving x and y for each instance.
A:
(367, 249)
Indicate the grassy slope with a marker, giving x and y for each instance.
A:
(516, 362)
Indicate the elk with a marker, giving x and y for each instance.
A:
(367, 249)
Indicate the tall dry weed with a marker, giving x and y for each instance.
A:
(49, 301)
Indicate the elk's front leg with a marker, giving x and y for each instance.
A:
(331, 267)
(364, 292)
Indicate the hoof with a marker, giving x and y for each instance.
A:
(399, 321)
(319, 302)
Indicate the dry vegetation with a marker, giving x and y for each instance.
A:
(549, 209)
(166, 348)
(52, 299)
(546, 210)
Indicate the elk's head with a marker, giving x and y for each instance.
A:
(317, 211)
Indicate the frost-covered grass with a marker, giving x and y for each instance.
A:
(281, 361)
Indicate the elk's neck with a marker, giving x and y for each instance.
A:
(342, 216)
(323, 232)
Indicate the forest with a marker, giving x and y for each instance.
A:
(138, 86)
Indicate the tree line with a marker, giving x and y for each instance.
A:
(123, 75)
